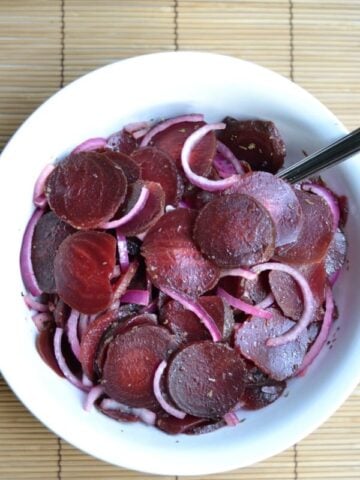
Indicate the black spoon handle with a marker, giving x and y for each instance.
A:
(322, 159)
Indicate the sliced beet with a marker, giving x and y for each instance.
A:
(45, 347)
(288, 294)
(174, 426)
(336, 254)
(187, 327)
(208, 427)
(151, 212)
(197, 198)
(90, 341)
(122, 141)
(260, 389)
(158, 166)
(235, 230)
(86, 189)
(126, 163)
(315, 234)
(256, 141)
(173, 138)
(206, 379)
(49, 233)
(83, 266)
(279, 199)
(115, 328)
(130, 364)
(278, 362)
(173, 260)
(118, 415)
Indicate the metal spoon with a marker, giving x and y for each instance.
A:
(326, 157)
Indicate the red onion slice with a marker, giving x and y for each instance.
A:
(86, 381)
(136, 126)
(227, 154)
(122, 250)
(62, 362)
(84, 321)
(116, 272)
(33, 304)
(333, 277)
(39, 198)
(200, 312)
(243, 306)
(90, 144)
(92, 396)
(267, 302)
(159, 396)
(139, 205)
(123, 282)
(27, 272)
(139, 297)
(239, 272)
(72, 328)
(147, 416)
(308, 297)
(140, 133)
(329, 198)
(320, 341)
(197, 180)
(160, 127)
(231, 419)
(41, 319)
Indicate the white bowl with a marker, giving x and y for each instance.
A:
(141, 88)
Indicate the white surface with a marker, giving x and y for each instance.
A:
(147, 87)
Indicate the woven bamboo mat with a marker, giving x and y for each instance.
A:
(44, 44)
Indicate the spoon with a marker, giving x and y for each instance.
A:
(322, 159)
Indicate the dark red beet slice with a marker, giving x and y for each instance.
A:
(120, 326)
(90, 341)
(260, 390)
(187, 327)
(208, 427)
(158, 166)
(279, 199)
(197, 198)
(45, 347)
(256, 141)
(118, 415)
(315, 235)
(152, 211)
(126, 163)
(130, 364)
(235, 230)
(86, 189)
(83, 266)
(122, 141)
(277, 362)
(174, 426)
(61, 313)
(173, 138)
(49, 232)
(336, 255)
(205, 379)
(173, 260)
(288, 294)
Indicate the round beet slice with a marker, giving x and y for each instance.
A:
(173, 260)
(158, 166)
(256, 141)
(130, 364)
(151, 212)
(173, 138)
(90, 341)
(279, 199)
(235, 230)
(83, 266)
(279, 362)
(315, 234)
(86, 189)
(206, 379)
(126, 163)
(49, 232)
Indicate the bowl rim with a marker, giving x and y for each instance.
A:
(18, 389)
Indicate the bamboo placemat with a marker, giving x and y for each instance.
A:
(44, 44)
